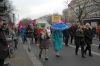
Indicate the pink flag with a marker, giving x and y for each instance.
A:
(20, 25)
(61, 21)
(31, 23)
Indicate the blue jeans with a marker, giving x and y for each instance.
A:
(23, 39)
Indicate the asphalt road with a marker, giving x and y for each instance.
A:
(68, 57)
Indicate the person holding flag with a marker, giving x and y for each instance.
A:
(22, 31)
(32, 27)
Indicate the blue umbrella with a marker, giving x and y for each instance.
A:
(59, 26)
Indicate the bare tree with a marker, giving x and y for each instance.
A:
(97, 1)
(6, 9)
(82, 9)
(9, 6)
(9, 10)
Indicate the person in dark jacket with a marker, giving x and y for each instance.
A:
(3, 46)
(72, 31)
(23, 34)
(66, 36)
(79, 41)
(36, 34)
(29, 34)
(99, 40)
(99, 36)
(88, 38)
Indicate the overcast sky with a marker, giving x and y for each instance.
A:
(37, 8)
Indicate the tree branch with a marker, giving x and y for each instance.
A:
(74, 11)
(96, 1)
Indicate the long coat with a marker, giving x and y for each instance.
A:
(66, 33)
(3, 46)
(79, 37)
(88, 36)
(57, 38)
(44, 41)
(29, 32)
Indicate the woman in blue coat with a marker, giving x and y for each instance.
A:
(23, 34)
(57, 38)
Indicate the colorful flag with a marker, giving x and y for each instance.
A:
(20, 25)
(61, 21)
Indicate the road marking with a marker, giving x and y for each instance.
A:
(98, 54)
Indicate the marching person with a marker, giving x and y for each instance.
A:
(66, 36)
(79, 40)
(36, 34)
(98, 34)
(44, 42)
(23, 34)
(88, 38)
(72, 31)
(29, 34)
(57, 38)
(99, 40)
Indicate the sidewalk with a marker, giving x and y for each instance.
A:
(21, 57)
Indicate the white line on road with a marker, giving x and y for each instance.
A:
(98, 54)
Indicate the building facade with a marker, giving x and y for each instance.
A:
(65, 15)
(87, 10)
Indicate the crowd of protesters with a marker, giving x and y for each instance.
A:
(39, 36)
(81, 34)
